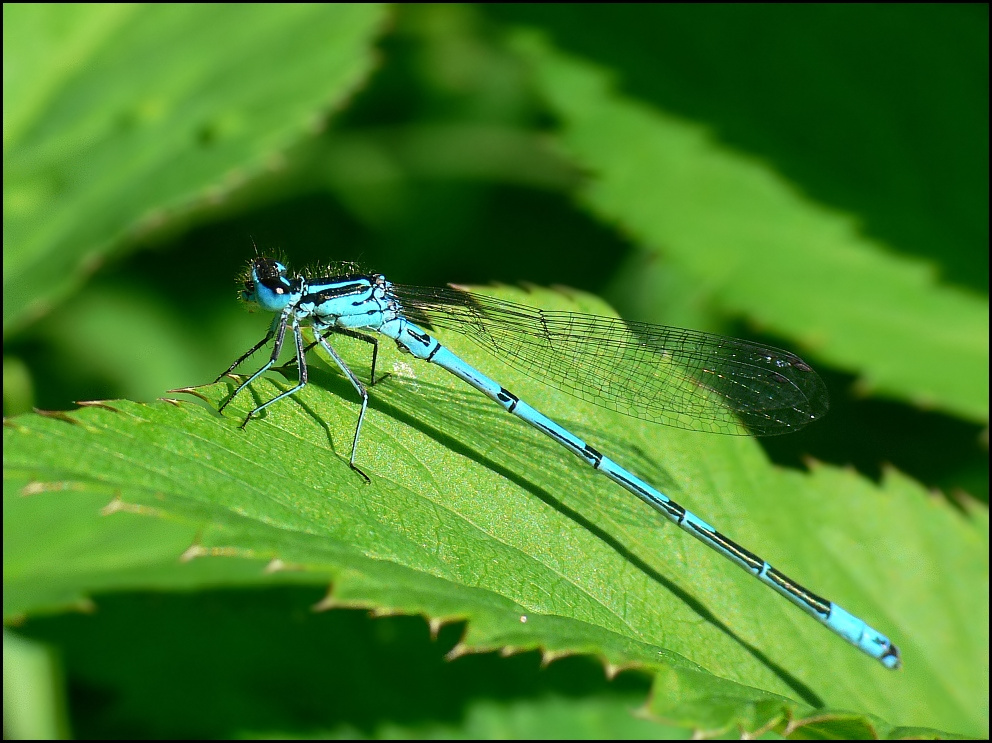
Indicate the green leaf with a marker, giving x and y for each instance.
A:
(731, 225)
(471, 515)
(117, 117)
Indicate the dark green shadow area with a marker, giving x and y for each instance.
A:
(871, 434)
(878, 110)
(250, 662)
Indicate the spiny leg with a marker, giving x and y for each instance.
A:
(279, 330)
(351, 334)
(249, 352)
(298, 335)
(375, 349)
(356, 383)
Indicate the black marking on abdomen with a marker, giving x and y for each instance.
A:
(674, 511)
(595, 457)
(420, 336)
(891, 652)
(817, 603)
(750, 559)
(505, 396)
(553, 434)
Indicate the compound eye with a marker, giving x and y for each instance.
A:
(268, 271)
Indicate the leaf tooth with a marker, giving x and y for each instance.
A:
(550, 656)
(435, 624)
(458, 651)
(328, 602)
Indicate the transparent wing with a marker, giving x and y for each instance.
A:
(681, 378)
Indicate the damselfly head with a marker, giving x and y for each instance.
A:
(266, 284)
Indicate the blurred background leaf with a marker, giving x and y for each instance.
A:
(117, 115)
(821, 182)
(674, 190)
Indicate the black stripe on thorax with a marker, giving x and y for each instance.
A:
(339, 287)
